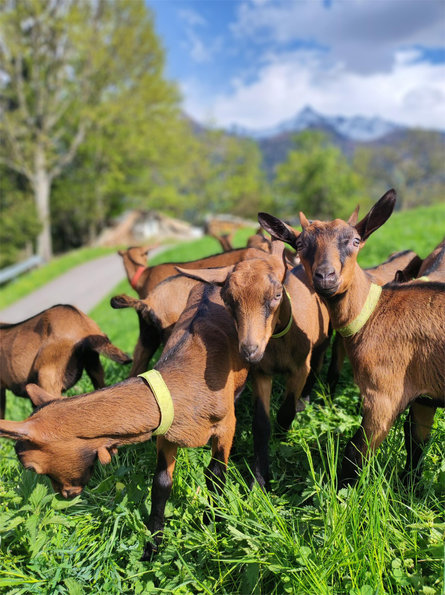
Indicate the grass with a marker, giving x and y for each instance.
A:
(302, 537)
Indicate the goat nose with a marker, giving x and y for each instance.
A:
(325, 273)
(71, 492)
(248, 350)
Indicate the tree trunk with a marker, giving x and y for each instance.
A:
(42, 188)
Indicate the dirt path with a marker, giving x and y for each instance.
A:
(83, 286)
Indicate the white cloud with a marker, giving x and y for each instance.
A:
(191, 17)
(363, 34)
(200, 50)
(409, 92)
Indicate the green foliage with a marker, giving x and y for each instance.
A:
(302, 537)
(19, 225)
(413, 165)
(222, 174)
(316, 177)
(85, 97)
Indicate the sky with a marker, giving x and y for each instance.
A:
(256, 63)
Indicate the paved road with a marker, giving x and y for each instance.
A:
(83, 286)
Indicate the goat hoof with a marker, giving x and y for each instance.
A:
(150, 551)
(300, 405)
(263, 484)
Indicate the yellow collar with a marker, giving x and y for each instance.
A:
(423, 278)
(163, 399)
(289, 324)
(371, 302)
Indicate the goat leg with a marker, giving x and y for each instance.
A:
(148, 341)
(338, 355)
(378, 417)
(215, 473)
(94, 369)
(2, 402)
(261, 388)
(298, 384)
(160, 492)
(417, 432)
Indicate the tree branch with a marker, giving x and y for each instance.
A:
(70, 154)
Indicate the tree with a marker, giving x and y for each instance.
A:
(317, 178)
(224, 175)
(68, 69)
(19, 225)
(413, 164)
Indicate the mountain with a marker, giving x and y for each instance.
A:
(357, 128)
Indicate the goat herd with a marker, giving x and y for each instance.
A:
(246, 311)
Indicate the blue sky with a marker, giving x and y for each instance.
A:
(258, 62)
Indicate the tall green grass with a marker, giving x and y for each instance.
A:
(302, 537)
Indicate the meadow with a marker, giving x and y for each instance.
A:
(301, 537)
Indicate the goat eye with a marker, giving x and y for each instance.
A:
(356, 242)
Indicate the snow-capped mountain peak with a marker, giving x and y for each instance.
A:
(358, 128)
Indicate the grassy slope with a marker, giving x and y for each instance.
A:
(300, 538)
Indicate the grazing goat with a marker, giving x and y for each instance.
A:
(144, 279)
(202, 371)
(282, 325)
(52, 349)
(380, 274)
(431, 269)
(394, 336)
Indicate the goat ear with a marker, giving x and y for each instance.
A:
(121, 252)
(146, 249)
(104, 455)
(14, 430)
(216, 276)
(354, 217)
(377, 216)
(400, 277)
(38, 395)
(303, 220)
(278, 229)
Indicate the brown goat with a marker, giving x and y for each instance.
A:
(52, 349)
(380, 274)
(164, 304)
(144, 279)
(204, 373)
(431, 269)
(394, 336)
(264, 296)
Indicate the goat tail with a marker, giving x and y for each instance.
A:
(125, 301)
(102, 344)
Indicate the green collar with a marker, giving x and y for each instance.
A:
(371, 302)
(289, 324)
(163, 399)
